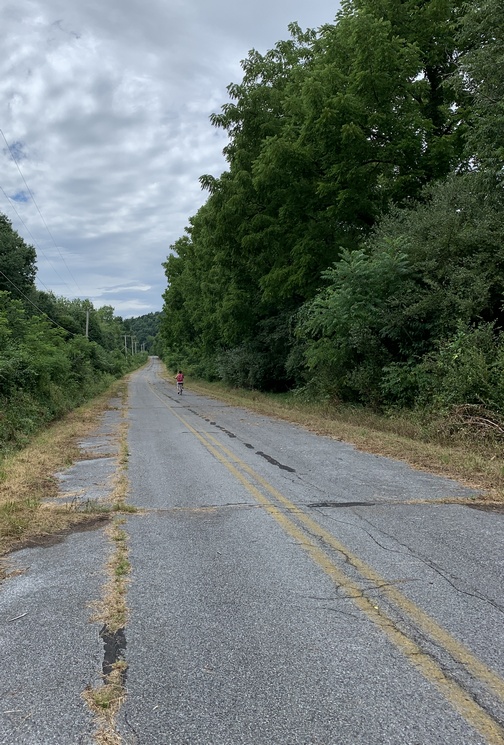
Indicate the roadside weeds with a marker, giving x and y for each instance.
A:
(111, 610)
(31, 510)
(105, 700)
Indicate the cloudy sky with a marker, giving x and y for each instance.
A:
(104, 129)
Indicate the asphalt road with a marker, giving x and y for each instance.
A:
(285, 589)
(289, 589)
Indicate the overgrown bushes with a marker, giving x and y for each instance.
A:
(45, 371)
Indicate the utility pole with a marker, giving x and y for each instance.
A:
(125, 345)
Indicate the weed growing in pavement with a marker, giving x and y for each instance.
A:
(113, 610)
(107, 697)
(124, 508)
(105, 700)
(89, 506)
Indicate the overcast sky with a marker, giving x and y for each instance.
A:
(105, 106)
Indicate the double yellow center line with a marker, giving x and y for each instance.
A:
(319, 544)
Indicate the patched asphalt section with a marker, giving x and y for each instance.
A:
(50, 655)
(89, 479)
(50, 650)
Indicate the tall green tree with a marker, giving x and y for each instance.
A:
(327, 133)
(481, 72)
(17, 261)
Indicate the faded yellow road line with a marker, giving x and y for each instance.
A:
(428, 625)
(460, 699)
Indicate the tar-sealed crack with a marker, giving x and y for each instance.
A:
(226, 431)
(275, 462)
(267, 457)
(114, 644)
(341, 504)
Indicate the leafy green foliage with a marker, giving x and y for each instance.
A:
(144, 328)
(17, 261)
(482, 74)
(355, 243)
(431, 274)
(467, 368)
(347, 327)
(47, 364)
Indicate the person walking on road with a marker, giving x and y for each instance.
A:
(180, 382)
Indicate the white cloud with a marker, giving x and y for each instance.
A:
(109, 105)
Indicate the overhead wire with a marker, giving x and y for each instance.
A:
(38, 210)
(36, 306)
(72, 333)
(37, 247)
(34, 242)
(39, 250)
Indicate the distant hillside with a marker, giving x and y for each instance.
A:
(145, 329)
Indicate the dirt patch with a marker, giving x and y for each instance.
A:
(93, 522)
(488, 507)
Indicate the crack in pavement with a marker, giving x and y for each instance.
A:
(114, 645)
(275, 462)
(451, 580)
(409, 552)
(230, 434)
(203, 508)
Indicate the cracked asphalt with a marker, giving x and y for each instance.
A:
(50, 650)
(285, 589)
(237, 633)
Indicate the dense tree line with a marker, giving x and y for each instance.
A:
(356, 241)
(47, 363)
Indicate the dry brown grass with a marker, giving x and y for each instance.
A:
(29, 510)
(112, 609)
(105, 700)
(423, 445)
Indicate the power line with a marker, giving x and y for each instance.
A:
(38, 249)
(38, 210)
(72, 333)
(39, 280)
(34, 241)
(36, 306)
